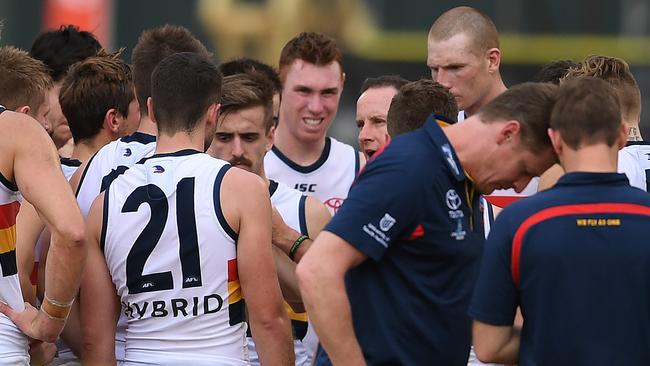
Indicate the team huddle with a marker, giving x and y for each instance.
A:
(175, 211)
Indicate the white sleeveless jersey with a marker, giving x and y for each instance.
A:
(108, 163)
(13, 343)
(328, 179)
(290, 203)
(173, 260)
(634, 161)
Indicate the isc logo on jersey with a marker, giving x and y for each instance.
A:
(306, 187)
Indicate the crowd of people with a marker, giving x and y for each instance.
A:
(174, 211)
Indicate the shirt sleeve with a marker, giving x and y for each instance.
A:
(495, 297)
(382, 204)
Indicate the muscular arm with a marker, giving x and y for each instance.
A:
(246, 205)
(97, 292)
(316, 216)
(323, 292)
(36, 170)
(497, 344)
(28, 229)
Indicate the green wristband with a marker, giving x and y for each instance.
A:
(296, 244)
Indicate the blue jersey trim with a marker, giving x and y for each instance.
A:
(102, 238)
(143, 138)
(306, 169)
(7, 183)
(302, 217)
(357, 163)
(217, 204)
(273, 186)
(83, 174)
(70, 162)
(184, 152)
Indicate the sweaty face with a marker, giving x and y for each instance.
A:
(372, 108)
(512, 165)
(459, 68)
(310, 99)
(241, 139)
(60, 130)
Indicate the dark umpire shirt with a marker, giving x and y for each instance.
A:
(414, 213)
(576, 258)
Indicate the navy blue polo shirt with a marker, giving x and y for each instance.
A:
(416, 216)
(576, 258)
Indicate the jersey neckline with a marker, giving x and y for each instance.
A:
(184, 152)
(309, 168)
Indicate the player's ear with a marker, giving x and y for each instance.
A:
(493, 56)
(507, 131)
(152, 116)
(24, 109)
(556, 140)
(270, 138)
(112, 120)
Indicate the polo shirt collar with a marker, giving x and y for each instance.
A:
(590, 178)
(433, 128)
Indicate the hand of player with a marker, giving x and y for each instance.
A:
(33, 322)
(41, 353)
(282, 235)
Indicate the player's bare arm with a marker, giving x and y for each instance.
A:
(284, 237)
(28, 229)
(97, 292)
(323, 291)
(498, 344)
(247, 208)
(34, 166)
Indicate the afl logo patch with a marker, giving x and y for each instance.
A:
(158, 169)
(453, 200)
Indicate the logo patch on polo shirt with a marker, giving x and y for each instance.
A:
(386, 222)
(453, 199)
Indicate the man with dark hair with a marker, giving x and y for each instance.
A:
(29, 166)
(115, 158)
(570, 256)
(415, 102)
(25, 85)
(244, 134)
(390, 277)
(60, 49)
(222, 255)
(372, 108)
(552, 72)
(247, 65)
(303, 156)
(98, 101)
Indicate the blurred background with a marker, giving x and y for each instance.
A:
(378, 36)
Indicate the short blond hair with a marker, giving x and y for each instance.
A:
(24, 81)
(617, 73)
(464, 19)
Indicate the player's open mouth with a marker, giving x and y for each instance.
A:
(313, 121)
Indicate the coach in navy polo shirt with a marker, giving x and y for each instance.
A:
(389, 280)
(575, 257)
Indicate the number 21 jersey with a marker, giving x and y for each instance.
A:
(172, 258)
